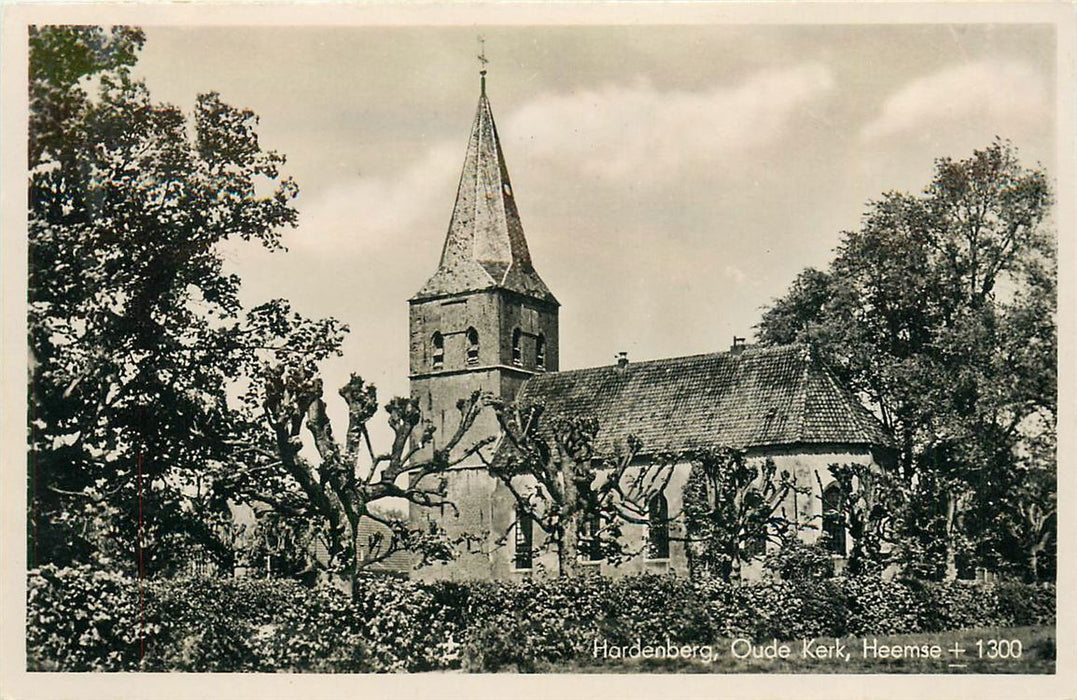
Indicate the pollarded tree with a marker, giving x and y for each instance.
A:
(136, 334)
(869, 505)
(331, 496)
(732, 508)
(578, 498)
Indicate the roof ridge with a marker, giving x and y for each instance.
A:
(763, 350)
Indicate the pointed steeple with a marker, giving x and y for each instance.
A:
(485, 247)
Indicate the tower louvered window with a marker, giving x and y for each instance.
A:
(517, 353)
(540, 352)
(472, 347)
(438, 358)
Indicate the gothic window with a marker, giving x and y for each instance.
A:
(517, 354)
(439, 351)
(523, 539)
(540, 352)
(658, 527)
(590, 542)
(472, 347)
(834, 519)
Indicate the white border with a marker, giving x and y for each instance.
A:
(15, 682)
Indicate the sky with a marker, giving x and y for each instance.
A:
(671, 180)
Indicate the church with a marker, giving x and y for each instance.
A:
(486, 321)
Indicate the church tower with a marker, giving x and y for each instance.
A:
(485, 320)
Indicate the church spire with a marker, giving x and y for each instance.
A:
(485, 246)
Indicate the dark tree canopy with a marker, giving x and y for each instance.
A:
(940, 311)
(136, 332)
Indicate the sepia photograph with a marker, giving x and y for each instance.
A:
(521, 343)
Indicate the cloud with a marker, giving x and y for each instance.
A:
(638, 131)
(616, 132)
(1005, 95)
(735, 274)
(365, 213)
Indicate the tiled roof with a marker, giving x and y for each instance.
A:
(758, 397)
(399, 560)
(485, 247)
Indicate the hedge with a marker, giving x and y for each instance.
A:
(83, 620)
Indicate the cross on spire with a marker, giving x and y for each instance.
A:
(482, 62)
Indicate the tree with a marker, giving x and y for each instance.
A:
(868, 504)
(136, 334)
(732, 508)
(578, 498)
(331, 497)
(940, 311)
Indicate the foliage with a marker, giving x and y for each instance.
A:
(798, 561)
(78, 619)
(940, 311)
(732, 508)
(136, 333)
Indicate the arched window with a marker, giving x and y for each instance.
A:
(439, 351)
(517, 354)
(523, 541)
(834, 519)
(472, 346)
(590, 538)
(540, 352)
(658, 527)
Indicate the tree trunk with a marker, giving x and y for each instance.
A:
(354, 582)
(1034, 554)
(567, 546)
(568, 542)
(951, 555)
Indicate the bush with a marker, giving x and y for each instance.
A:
(1027, 604)
(84, 620)
(878, 606)
(78, 619)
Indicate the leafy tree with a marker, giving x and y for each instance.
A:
(327, 500)
(580, 499)
(732, 508)
(136, 334)
(940, 311)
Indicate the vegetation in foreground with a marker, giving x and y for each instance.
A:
(82, 620)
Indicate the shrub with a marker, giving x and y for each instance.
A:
(81, 620)
(84, 620)
(877, 606)
(1027, 604)
(797, 561)
(960, 604)
(656, 608)
(207, 624)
